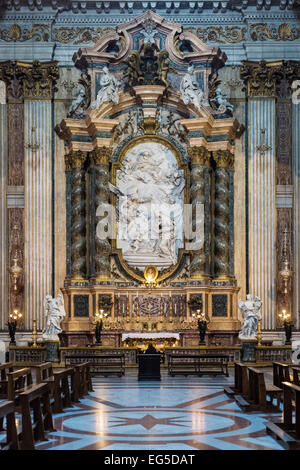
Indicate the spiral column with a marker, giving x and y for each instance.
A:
(100, 161)
(200, 194)
(224, 164)
(75, 161)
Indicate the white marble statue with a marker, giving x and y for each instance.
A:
(249, 309)
(190, 89)
(221, 102)
(150, 227)
(77, 103)
(109, 89)
(54, 314)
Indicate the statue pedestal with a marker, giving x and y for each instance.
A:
(52, 351)
(248, 350)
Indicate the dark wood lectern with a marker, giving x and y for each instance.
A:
(149, 366)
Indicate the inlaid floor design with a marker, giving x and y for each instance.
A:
(180, 413)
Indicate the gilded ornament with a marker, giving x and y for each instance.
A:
(79, 35)
(284, 32)
(199, 155)
(224, 158)
(149, 125)
(229, 34)
(38, 32)
(76, 159)
(101, 156)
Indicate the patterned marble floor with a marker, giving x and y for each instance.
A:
(175, 414)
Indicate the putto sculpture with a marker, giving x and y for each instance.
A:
(54, 314)
(249, 308)
(222, 103)
(78, 103)
(109, 89)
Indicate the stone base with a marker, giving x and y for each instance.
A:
(52, 351)
(248, 350)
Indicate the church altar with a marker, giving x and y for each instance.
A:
(149, 161)
(156, 338)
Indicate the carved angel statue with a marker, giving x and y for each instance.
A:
(133, 70)
(109, 89)
(54, 314)
(222, 103)
(190, 89)
(163, 67)
(77, 103)
(249, 310)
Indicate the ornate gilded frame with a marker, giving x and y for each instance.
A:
(182, 165)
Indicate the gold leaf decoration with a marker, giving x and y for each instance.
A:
(219, 34)
(284, 32)
(38, 32)
(79, 35)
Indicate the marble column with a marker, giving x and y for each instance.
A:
(38, 87)
(200, 267)
(77, 237)
(224, 164)
(100, 161)
(296, 210)
(3, 217)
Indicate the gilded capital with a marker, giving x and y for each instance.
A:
(101, 155)
(40, 79)
(224, 158)
(75, 159)
(261, 78)
(199, 155)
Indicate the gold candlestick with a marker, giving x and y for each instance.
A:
(34, 334)
(259, 332)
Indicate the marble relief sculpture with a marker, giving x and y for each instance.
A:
(109, 89)
(249, 308)
(190, 89)
(150, 228)
(54, 314)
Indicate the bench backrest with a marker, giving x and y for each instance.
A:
(44, 371)
(281, 373)
(257, 387)
(241, 380)
(7, 410)
(18, 381)
(5, 368)
(296, 375)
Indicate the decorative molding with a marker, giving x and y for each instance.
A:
(220, 34)
(14, 33)
(101, 156)
(283, 32)
(199, 155)
(224, 158)
(79, 35)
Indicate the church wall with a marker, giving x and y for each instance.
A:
(3, 215)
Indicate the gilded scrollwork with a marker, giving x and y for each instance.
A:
(283, 32)
(220, 34)
(38, 32)
(79, 35)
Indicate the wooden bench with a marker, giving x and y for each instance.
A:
(296, 375)
(103, 364)
(240, 389)
(259, 390)
(288, 431)
(58, 381)
(186, 364)
(29, 397)
(7, 412)
(4, 370)
(82, 381)
(281, 373)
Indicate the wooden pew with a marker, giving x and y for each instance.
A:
(287, 431)
(241, 381)
(197, 364)
(259, 390)
(58, 382)
(82, 382)
(296, 375)
(281, 373)
(4, 370)
(7, 411)
(104, 364)
(29, 397)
